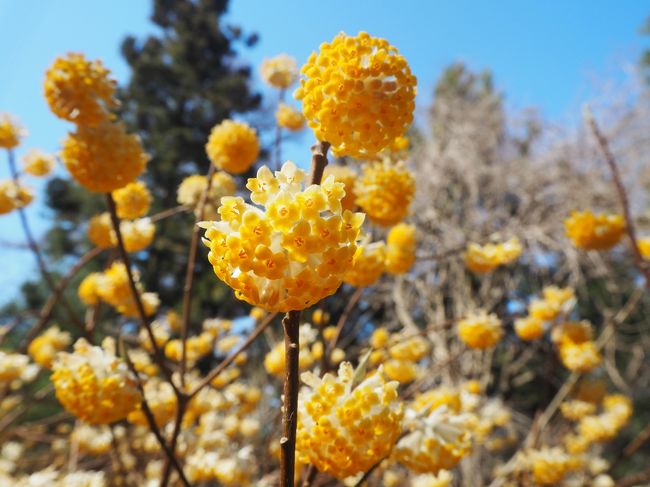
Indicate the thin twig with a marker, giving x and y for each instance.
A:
(291, 326)
(167, 213)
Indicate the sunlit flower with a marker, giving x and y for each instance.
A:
(347, 176)
(161, 399)
(403, 371)
(89, 289)
(233, 146)
(15, 366)
(91, 440)
(575, 409)
(578, 352)
(529, 328)
(38, 163)
(132, 201)
(290, 254)
(548, 465)
(280, 71)
(103, 158)
(100, 231)
(555, 301)
(79, 90)
(93, 384)
(437, 397)
(310, 351)
(343, 429)
(480, 330)
(289, 118)
(44, 347)
(137, 234)
(617, 411)
(358, 94)
(384, 192)
(644, 246)
(192, 188)
(114, 288)
(400, 249)
(485, 258)
(10, 132)
(320, 317)
(13, 196)
(594, 232)
(367, 266)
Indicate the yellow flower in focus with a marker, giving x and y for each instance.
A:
(13, 196)
(549, 465)
(44, 347)
(367, 266)
(79, 90)
(480, 330)
(138, 234)
(594, 232)
(103, 158)
(132, 201)
(364, 422)
(233, 146)
(192, 187)
(280, 71)
(100, 231)
(485, 258)
(529, 328)
(10, 132)
(89, 289)
(358, 94)
(400, 250)
(289, 118)
(384, 192)
(93, 384)
(38, 163)
(291, 254)
(345, 175)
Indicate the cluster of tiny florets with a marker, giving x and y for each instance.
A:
(289, 118)
(192, 187)
(10, 132)
(280, 71)
(480, 330)
(591, 231)
(13, 196)
(485, 258)
(132, 201)
(233, 146)
(38, 163)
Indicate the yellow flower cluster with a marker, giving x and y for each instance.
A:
(342, 429)
(137, 234)
(192, 187)
(384, 192)
(293, 253)
(549, 466)
(231, 471)
(280, 71)
(132, 201)
(577, 350)
(91, 440)
(15, 366)
(100, 231)
(38, 163)
(644, 246)
(400, 249)
(617, 410)
(575, 409)
(289, 118)
(161, 399)
(196, 346)
(399, 354)
(13, 196)
(79, 90)
(367, 266)
(358, 94)
(556, 302)
(104, 157)
(233, 146)
(93, 384)
(345, 175)
(594, 232)
(480, 330)
(10, 132)
(486, 258)
(310, 351)
(44, 347)
(438, 440)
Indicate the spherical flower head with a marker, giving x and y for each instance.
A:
(358, 94)
(93, 384)
(342, 429)
(578, 352)
(14, 366)
(549, 465)
(89, 289)
(384, 192)
(400, 250)
(292, 250)
(485, 258)
(347, 176)
(103, 158)
(594, 232)
(114, 288)
(529, 328)
(44, 347)
(438, 440)
(402, 371)
(289, 118)
(38, 163)
(137, 234)
(644, 246)
(480, 330)
(192, 187)
(132, 201)
(13, 196)
(367, 266)
(280, 71)
(79, 90)
(100, 231)
(575, 409)
(412, 348)
(92, 440)
(10, 132)
(233, 146)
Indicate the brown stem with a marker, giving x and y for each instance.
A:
(230, 359)
(291, 326)
(189, 274)
(48, 308)
(31, 241)
(318, 161)
(167, 213)
(622, 196)
(180, 412)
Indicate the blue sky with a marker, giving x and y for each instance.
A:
(543, 53)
